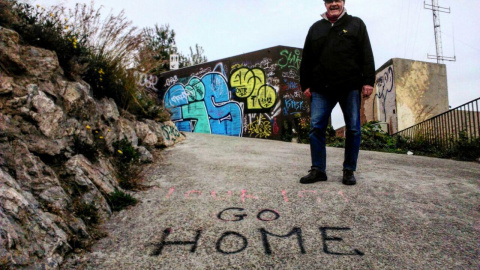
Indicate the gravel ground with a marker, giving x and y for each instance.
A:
(217, 202)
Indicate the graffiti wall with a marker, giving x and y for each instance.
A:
(406, 93)
(383, 100)
(256, 95)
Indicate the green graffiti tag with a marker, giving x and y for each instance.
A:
(290, 59)
(170, 133)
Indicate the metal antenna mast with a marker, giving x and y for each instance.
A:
(438, 33)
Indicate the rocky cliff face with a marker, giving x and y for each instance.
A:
(46, 122)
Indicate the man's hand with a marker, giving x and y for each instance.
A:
(367, 90)
(307, 93)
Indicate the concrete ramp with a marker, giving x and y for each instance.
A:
(219, 202)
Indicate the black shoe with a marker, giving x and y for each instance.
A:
(348, 178)
(313, 176)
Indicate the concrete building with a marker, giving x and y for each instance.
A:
(406, 92)
(255, 94)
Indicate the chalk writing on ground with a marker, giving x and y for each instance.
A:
(237, 214)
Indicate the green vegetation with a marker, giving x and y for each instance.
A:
(87, 212)
(374, 139)
(45, 29)
(91, 149)
(159, 43)
(303, 131)
(87, 150)
(464, 149)
(119, 200)
(102, 50)
(125, 151)
(126, 161)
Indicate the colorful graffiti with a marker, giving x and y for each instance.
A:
(293, 102)
(250, 84)
(204, 105)
(260, 128)
(266, 65)
(242, 96)
(293, 106)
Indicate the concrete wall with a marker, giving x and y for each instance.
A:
(256, 94)
(407, 92)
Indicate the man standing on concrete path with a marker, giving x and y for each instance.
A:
(337, 64)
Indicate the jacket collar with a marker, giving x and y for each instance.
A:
(324, 15)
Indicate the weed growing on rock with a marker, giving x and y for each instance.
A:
(6, 13)
(90, 148)
(119, 200)
(126, 152)
(98, 49)
(5, 262)
(87, 212)
(126, 161)
(48, 29)
(84, 148)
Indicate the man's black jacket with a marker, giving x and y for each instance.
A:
(337, 57)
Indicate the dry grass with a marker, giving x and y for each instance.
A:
(112, 37)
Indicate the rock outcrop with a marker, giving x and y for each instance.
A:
(47, 126)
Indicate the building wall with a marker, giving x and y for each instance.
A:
(256, 94)
(422, 91)
(406, 92)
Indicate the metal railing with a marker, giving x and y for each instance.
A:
(447, 128)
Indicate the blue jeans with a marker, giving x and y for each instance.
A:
(322, 106)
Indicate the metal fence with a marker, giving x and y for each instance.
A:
(447, 128)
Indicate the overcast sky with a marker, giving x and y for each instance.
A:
(397, 29)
